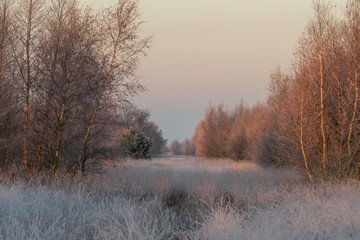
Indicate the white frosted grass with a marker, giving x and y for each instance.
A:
(180, 198)
(55, 214)
(194, 164)
(207, 180)
(330, 211)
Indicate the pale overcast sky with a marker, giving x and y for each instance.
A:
(215, 51)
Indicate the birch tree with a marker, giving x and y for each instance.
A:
(120, 47)
(27, 25)
(9, 107)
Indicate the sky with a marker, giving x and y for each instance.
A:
(212, 51)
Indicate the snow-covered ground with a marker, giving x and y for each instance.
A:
(181, 198)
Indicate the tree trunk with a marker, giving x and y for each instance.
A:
(39, 148)
(27, 81)
(25, 127)
(324, 164)
(301, 139)
(350, 158)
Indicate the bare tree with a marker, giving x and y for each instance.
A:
(27, 26)
(320, 118)
(213, 137)
(352, 41)
(9, 107)
(187, 147)
(71, 68)
(175, 147)
(120, 47)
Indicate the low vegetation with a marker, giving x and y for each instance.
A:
(179, 198)
(135, 145)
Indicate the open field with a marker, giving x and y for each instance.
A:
(180, 198)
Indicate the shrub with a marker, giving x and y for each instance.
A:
(135, 144)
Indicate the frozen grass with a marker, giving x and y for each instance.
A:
(329, 211)
(208, 180)
(56, 214)
(180, 198)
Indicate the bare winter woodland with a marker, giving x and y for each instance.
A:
(287, 168)
(67, 78)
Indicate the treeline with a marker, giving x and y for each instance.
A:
(67, 76)
(225, 133)
(311, 119)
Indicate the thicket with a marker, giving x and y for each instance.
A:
(67, 77)
(228, 133)
(311, 119)
(225, 133)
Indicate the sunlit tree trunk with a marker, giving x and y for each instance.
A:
(321, 12)
(340, 99)
(28, 20)
(301, 139)
(350, 156)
